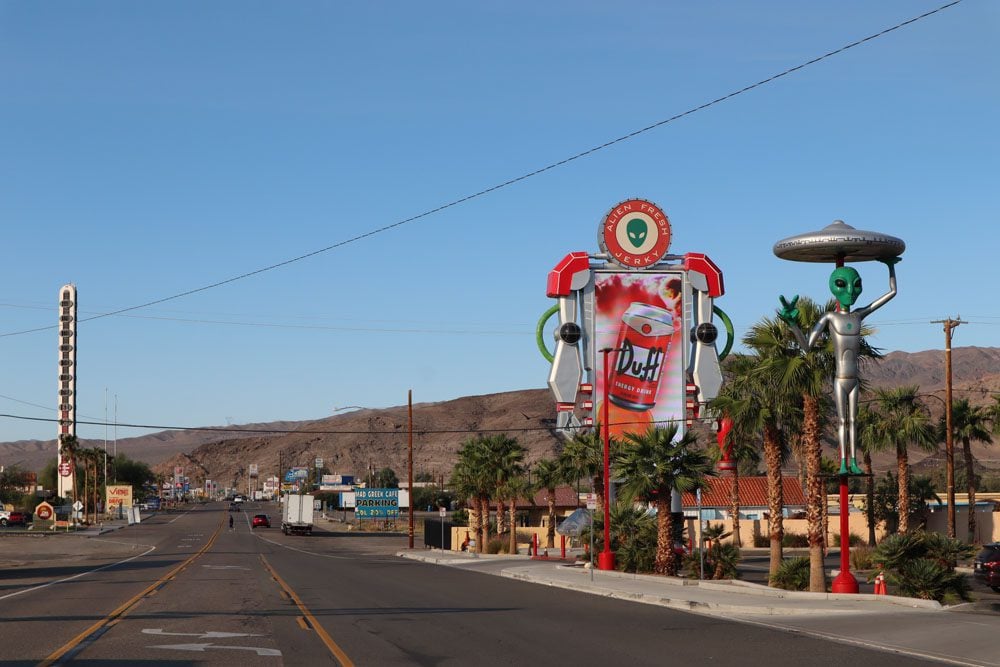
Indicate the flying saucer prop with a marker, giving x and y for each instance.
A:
(839, 242)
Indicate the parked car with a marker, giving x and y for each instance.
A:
(261, 521)
(986, 567)
(15, 518)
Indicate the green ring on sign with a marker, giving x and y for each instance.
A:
(539, 332)
(730, 334)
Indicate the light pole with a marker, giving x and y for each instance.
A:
(606, 560)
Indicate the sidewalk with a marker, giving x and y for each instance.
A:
(921, 628)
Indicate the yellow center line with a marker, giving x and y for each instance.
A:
(337, 652)
(124, 608)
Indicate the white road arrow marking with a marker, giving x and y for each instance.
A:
(212, 634)
(203, 647)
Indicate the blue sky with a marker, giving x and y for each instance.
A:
(148, 149)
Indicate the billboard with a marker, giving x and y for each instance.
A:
(640, 317)
(119, 496)
(376, 503)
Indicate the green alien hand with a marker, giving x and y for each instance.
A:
(789, 313)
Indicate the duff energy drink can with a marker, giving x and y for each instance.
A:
(643, 342)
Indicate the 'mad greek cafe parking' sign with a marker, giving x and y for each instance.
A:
(376, 503)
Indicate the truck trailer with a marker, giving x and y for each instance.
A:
(297, 514)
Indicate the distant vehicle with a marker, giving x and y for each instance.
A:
(986, 567)
(260, 521)
(297, 515)
(238, 499)
(14, 518)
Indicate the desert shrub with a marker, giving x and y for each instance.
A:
(928, 579)
(794, 541)
(460, 517)
(761, 541)
(922, 565)
(495, 546)
(792, 574)
(861, 558)
(853, 539)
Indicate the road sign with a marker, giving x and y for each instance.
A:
(78, 506)
(65, 469)
(442, 512)
(591, 501)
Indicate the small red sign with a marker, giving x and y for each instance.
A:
(635, 234)
(65, 469)
(44, 511)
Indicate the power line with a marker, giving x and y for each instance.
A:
(393, 432)
(512, 181)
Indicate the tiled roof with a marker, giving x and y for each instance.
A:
(565, 497)
(753, 492)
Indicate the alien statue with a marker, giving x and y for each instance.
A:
(845, 332)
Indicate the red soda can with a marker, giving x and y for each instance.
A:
(641, 351)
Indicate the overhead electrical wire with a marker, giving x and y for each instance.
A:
(507, 183)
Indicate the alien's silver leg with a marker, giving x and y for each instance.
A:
(852, 412)
(841, 389)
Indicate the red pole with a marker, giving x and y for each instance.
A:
(606, 559)
(562, 547)
(534, 544)
(845, 581)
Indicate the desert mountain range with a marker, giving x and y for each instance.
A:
(352, 443)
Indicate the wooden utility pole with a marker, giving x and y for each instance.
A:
(949, 445)
(409, 467)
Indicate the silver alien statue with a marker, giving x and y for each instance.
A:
(845, 332)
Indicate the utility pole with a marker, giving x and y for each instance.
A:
(409, 467)
(949, 445)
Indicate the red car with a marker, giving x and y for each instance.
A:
(15, 518)
(261, 521)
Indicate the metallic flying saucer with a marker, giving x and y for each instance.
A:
(839, 242)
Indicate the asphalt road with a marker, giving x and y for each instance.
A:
(183, 589)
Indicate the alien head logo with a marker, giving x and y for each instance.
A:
(635, 234)
(637, 231)
(845, 284)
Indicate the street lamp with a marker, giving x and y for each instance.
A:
(606, 559)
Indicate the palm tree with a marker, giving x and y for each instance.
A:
(515, 488)
(969, 423)
(654, 464)
(69, 448)
(472, 480)
(583, 456)
(760, 407)
(899, 419)
(865, 423)
(548, 475)
(805, 373)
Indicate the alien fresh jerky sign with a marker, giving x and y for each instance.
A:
(635, 234)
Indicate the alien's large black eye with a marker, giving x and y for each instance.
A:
(857, 283)
(840, 282)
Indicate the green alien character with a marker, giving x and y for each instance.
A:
(637, 230)
(845, 332)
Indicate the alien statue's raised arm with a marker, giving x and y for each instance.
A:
(845, 332)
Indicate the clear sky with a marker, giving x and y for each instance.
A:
(152, 148)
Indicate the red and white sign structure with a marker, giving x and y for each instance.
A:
(67, 384)
(653, 311)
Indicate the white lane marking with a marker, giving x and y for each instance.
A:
(76, 576)
(177, 517)
(211, 634)
(203, 647)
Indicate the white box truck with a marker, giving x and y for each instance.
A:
(297, 514)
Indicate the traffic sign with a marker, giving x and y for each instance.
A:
(442, 512)
(591, 501)
(65, 469)
(78, 506)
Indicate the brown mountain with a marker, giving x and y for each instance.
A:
(352, 443)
